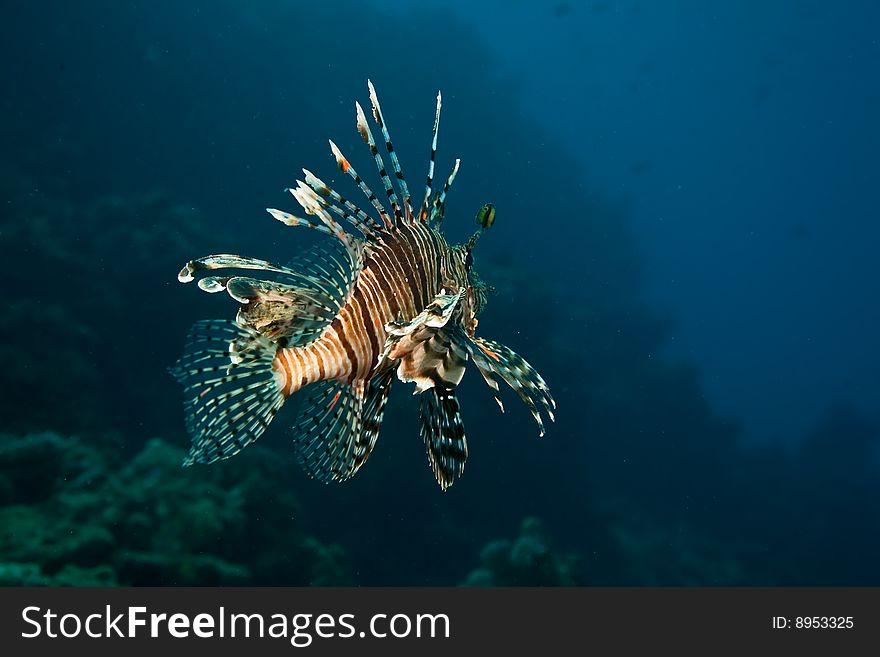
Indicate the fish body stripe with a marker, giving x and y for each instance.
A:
(400, 277)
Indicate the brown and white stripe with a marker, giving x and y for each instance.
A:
(400, 277)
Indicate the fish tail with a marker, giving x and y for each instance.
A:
(232, 391)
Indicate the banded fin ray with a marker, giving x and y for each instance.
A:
(228, 261)
(395, 163)
(345, 166)
(231, 393)
(352, 213)
(438, 207)
(423, 210)
(314, 204)
(328, 426)
(374, 411)
(493, 358)
(443, 434)
(367, 136)
(330, 269)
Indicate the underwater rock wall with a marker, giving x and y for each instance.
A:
(90, 287)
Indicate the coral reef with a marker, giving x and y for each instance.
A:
(74, 513)
(528, 560)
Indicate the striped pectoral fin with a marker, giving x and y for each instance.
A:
(231, 390)
(284, 313)
(329, 428)
(492, 358)
(312, 289)
(279, 311)
(443, 434)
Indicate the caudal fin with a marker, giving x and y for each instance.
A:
(231, 392)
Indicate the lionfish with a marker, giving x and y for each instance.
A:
(386, 296)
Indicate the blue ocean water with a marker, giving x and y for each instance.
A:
(685, 249)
